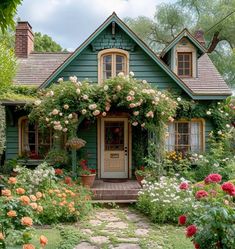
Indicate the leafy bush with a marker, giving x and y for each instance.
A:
(210, 223)
(163, 201)
(64, 204)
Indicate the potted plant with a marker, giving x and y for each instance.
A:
(140, 174)
(87, 175)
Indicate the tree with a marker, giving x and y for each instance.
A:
(216, 18)
(8, 10)
(7, 67)
(44, 43)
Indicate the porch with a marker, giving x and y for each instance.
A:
(117, 191)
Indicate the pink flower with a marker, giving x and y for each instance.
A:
(201, 194)
(229, 188)
(213, 178)
(184, 185)
(182, 219)
(191, 230)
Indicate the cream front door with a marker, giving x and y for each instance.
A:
(114, 148)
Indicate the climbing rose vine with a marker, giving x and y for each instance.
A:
(61, 105)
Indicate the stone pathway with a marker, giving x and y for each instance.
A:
(119, 228)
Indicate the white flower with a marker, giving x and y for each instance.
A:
(78, 91)
(226, 114)
(66, 121)
(65, 130)
(208, 112)
(149, 114)
(131, 74)
(163, 96)
(132, 105)
(178, 99)
(104, 114)
(70, 116)
(84, 111)
(144, 81)
(38, 102)
(66, 107)
(96, 112)
(55, 112)
(60, 80)
(220, 132)
(227, 125)
(200, 156)
(121, 74)
(61, 114)
(143, 125)
(136, 113)
(73, 79)
(119, 88)
(135, 123)
(47, 119)
(170, 119)
(106, 87)
(132, 93)
(128, 98)
(85, 97)
(107, 108)
(92, 106)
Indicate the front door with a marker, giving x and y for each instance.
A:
(114, 148)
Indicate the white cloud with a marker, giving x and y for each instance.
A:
(70, 22)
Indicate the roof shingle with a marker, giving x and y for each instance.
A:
(35, 69)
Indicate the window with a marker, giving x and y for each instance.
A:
(34, 143)
(185, 64)
(112, 62)
(186, 136)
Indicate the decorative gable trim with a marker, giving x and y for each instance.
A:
(184, 33)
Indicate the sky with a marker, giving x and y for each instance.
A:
(70, 22)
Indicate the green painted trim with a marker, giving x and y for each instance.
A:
(184, 33)
(210, 97)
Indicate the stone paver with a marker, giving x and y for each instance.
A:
(141, 232)
(99, 240)
(95, 222)
(117, 225)
(85, 245)
(127, 246)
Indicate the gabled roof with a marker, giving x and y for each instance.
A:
(209, 80)
(35, 69)
(184, 33)
(125, 28)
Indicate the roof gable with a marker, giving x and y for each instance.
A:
(132, 35)
(191, 38)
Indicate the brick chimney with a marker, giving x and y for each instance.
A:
(24, 40)
(199, 35)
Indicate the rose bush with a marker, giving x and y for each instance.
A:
(211, 221)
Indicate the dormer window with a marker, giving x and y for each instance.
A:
(111, 62)
(184, 64)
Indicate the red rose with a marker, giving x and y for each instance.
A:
(142, 168)
(196, 245)
(83, 164)
(229, 188)
(191, 230)
(182, 219)
(67, 180)
(213, 178)
(59, 172)
(201, 194)
(184, 185)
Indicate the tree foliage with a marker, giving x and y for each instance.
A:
(44, 43)
(7, 67)
(216, 18)
(8, 10)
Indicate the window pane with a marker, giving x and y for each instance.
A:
(119, 68)
(180, 72)
(183, 127)
(119, 59)
(186, 57)
(187, 72)
(107, 74)
(107, 59)
(181, 65)
(186, 64)
(107, 67)
(180, 57)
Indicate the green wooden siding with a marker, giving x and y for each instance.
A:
(89, 134)
(85, 65)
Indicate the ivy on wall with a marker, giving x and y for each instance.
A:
(2, 129)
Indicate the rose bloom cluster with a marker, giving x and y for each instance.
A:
(16, 207)
(227, 187)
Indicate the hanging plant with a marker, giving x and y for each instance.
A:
(2, 129)
(76, 143)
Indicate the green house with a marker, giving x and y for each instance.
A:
(183, 67)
